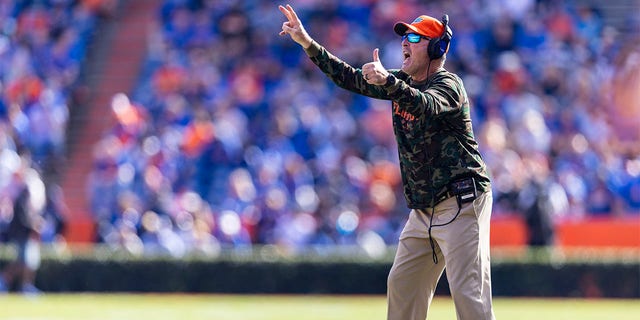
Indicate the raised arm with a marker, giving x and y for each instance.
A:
(368, 81)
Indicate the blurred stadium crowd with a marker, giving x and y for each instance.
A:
(233, 137)
(42, 46)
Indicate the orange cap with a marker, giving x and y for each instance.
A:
(422, 25)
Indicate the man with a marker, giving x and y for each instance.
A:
(27, 193)
(445, 180)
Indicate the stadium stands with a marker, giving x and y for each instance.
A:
(232, 137)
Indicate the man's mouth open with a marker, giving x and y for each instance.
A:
(406, 58)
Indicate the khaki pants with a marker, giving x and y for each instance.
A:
(462, 246)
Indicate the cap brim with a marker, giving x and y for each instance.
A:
(401, 28)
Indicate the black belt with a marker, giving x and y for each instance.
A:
(465, 188)
(443, 195)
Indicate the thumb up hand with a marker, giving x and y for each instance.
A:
(373, 72)
(376, 55)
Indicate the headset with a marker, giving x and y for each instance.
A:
(438, 47)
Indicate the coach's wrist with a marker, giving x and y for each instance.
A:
(391, 84)
(306, 42)
(390, 80)
(313, 49)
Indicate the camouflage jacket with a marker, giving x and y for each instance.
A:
(432, 126)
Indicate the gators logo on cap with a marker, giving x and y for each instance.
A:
(418, 19)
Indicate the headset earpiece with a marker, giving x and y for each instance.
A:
(439, 46)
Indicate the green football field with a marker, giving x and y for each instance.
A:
(307, 307)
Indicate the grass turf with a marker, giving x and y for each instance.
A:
(307, 307)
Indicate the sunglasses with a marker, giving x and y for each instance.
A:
(414, 37)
